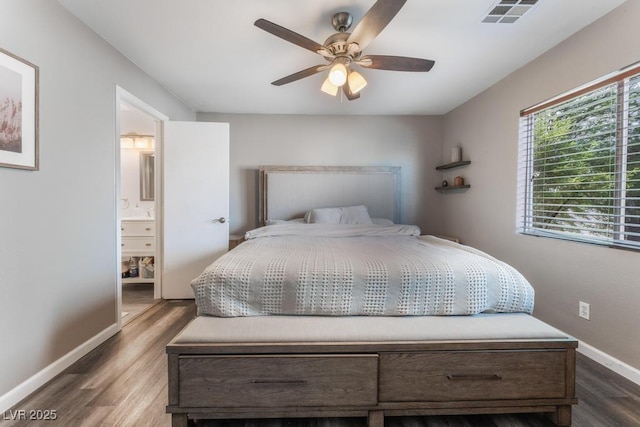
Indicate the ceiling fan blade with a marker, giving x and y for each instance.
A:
(395, 63)
(288, 35)
(300, 75)
(374, 21)
(347, 92)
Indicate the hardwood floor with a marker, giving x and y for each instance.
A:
(136, 297)
(124, 383)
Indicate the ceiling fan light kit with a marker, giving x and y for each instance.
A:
(338, 73)
(343, 50)
(356, 81)
(329, 88)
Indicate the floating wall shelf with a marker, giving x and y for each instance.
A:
(453, 165)
(453, 187)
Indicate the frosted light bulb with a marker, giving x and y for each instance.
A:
(338, 74)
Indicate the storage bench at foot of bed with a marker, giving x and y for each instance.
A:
(287, 367)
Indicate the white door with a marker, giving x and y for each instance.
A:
(195, 202)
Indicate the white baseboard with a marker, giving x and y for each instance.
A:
(608, 361)
(14, 396)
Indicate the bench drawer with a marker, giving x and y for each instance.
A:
(277, 381)
(472, 375)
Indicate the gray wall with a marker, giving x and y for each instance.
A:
(58, 225)
(412, 142)
(562, 273)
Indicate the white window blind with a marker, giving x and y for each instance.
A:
(579, 164)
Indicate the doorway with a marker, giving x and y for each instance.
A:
(138, 231)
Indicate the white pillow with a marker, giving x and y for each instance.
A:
(323, 216)
(381, 221)
(355, 215)
(343, 215)
(284, 221)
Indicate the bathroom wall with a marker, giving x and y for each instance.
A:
(133, 120)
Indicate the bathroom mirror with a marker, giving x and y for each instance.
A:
(147, 175)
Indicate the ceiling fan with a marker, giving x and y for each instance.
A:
(343, 50)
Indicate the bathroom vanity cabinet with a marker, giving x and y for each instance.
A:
(138, 242)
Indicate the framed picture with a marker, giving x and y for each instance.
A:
(18, 112)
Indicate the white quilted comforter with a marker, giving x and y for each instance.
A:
(341, 270)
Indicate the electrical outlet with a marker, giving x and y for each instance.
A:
(584, 310)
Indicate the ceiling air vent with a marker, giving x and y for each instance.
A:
(508, 11)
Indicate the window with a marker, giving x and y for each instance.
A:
(579, 164)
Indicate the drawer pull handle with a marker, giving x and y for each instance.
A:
(453, 377)
(148, 229)
(279, 382)
(147, 244)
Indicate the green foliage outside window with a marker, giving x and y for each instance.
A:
(584, 170)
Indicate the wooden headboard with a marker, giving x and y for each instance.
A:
(287, 192)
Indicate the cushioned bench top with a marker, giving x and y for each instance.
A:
(303, 329)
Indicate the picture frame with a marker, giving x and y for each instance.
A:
(18, 112)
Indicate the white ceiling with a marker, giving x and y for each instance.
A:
(211, 56)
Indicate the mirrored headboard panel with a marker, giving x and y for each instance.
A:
(287, 192)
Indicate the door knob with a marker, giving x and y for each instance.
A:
(221, 220)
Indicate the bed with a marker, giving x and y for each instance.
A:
(363, 337)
